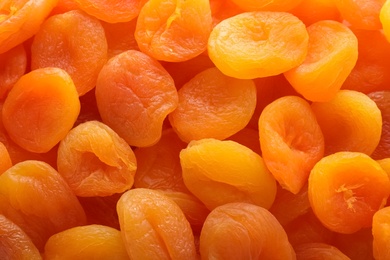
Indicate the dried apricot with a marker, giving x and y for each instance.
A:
(332, 54)
(258, 44)
(86, 242)
(381, 233)
(46, 206)
(40, 109)
(74, 42)
(346, 189)
(134, 94)
(154, 227)
(218, 172)
(213, 105)
(243, 231)
(291, 141)
(173, 30)
(351, 121)
(95, 161)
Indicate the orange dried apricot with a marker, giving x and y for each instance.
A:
(346, 189)
(46, 206)
(20, 20)
(86, 242)
(258, 44)
(12, 66)
(113, 11)
(14, 242)
(243, 231)
(95, 161)
(173, 30)
(382, 100)
(291, 141)
(332, 54)
(154, 227)
(218, 172)
(314, 251)
(158, 166)
(134, 94)
(64, 6)
(361, 14)
(351, 121)
(74, 42)
(40, 109)
(213, 105)
(381, 234)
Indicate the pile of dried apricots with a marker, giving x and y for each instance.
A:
(195, 129)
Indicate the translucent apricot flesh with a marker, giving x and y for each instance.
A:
(95, 161)
(288, 129)
(219, 172)
(258, 44)
(346, 189)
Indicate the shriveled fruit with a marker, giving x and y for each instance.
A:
(74, 42)
(14, 242)
(40, 109)
(173, 30)
(95, 161)
(243, 231)
(219, 172)
(291, 141)
(381, 233)
(20, 20)
(346, 189)
(86, 242)
(154, 227)
(332, 54)
(213, 105)
(258, 44)
(134, 94)
(46, 206)
(351, 121)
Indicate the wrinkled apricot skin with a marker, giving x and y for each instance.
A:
(381, 233)
(154, 227)
(40, 109)
(243, 231)
(14, 242)
(291, 141)
(332, 54)
(134, 94)
(20, 20)
(346, 189)
(95, 161)
(86, 242)
(219, 172)
(46, 206)
(258, 44)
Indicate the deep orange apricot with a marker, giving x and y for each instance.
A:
(381, 234)
(174, 30)
(351, 121)
(12, 66)
(331, 55)
(291, 141)
(258, 44)
(134, 94)
(86, 242)
(74, 42)
(64, 6)
(311, 11)
(158, 166)
(219, 172)
(95, 161)
(40, 109)
(213, 105)
(154, 227)
(46, 206)
(243, 231)
(21, 19)
(346, 189)
(314, 251)
(113, 11)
